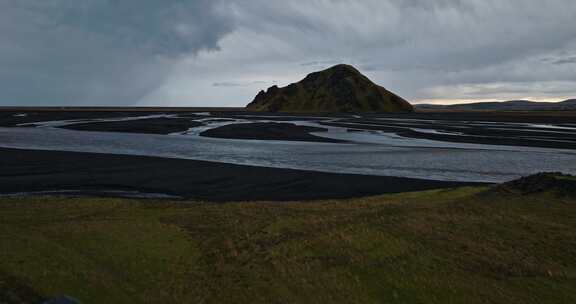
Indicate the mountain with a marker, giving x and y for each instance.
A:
(341, 88)
(512, 105)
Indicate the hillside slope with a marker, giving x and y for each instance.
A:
(341, 88)
(512, 105)
(467, 245)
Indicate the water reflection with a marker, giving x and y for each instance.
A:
(374, 153)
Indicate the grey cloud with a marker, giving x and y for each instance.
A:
(418, 44)
(506, 90)
(238, 83)
(163, 27)
(567, 60)
(98, 51)
(320, 63)
(181, 52)
(412, 33)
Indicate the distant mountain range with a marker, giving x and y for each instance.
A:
(341, 88)
(513, 105)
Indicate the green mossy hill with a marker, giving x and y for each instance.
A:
(341, 88)
(467, 245)
(550, 182)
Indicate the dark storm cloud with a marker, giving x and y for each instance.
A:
(209, 52)
(98, 51)
(566, 60)
(161, 27)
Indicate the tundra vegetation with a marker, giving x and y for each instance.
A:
(465, 245)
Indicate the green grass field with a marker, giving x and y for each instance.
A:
(447, 246)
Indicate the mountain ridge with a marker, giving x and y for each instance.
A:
(510, 105)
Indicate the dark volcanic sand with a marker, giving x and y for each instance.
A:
(491, 128)
(7, 119)
(31, 171)
(474, 135)
(145, 126)
(268, 131)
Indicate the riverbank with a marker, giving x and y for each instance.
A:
(25, 171)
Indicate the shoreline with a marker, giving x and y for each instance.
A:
(29, 171)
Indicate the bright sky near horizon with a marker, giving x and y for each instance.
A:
(222, 52)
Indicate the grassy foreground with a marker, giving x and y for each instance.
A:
(446, 246)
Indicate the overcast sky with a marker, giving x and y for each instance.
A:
(222, 52)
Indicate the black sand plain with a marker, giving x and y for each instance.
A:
(102, 174)
(27, 171)
(161, 125)
(269, 131)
